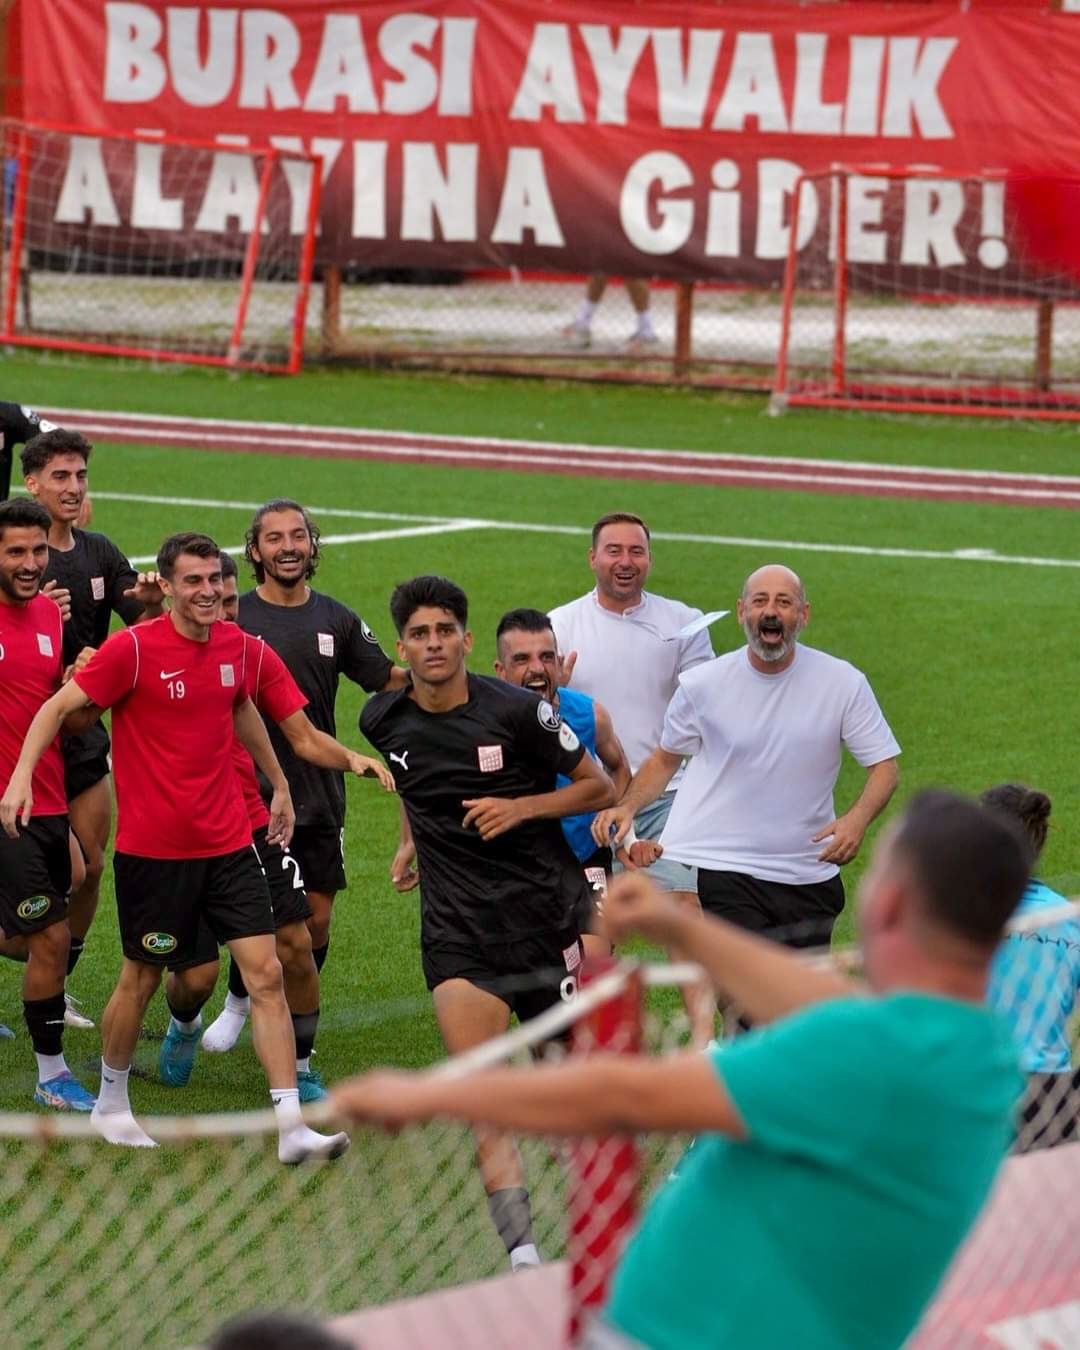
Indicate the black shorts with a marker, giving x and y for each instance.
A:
(529, 974)
(35, 876)
(86, 760)
(797, 916)
(162, 901)
(320, 850)
(597, 869)
(288, 900)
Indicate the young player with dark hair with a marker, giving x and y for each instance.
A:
(476, 761)
(178, 687)
(93, 580)
(319, 639)
(191, 982)
(35, 866)
(843, 1148)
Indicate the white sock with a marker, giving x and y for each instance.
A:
(303, 1065)
(120, 1127)
(286, 1109)
(113, 1093)
(644, 326)
(525, 1255)
(50, 1066)
(224, 1031)
(297, 1143)
(187, 1027)
(239, 1007)
(585, 313)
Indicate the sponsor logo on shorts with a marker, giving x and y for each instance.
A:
(568, 737)
(159, 944)
(228, 675)
(44, 644)
(367, 634)
(97, 588)
(33, 907)
(326, 643)
(548, 717)
(490, 758)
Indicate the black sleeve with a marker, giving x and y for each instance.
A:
(546, 740)
(362, 659)
(372, 716)
(17, 426)
(122, 576)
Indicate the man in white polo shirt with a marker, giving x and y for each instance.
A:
(765, 726)
(623, 646)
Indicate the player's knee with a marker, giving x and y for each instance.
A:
(294, 948)
(263, 977)
(49, 948)
(138, 982)
(191, 988)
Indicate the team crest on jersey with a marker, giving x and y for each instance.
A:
(367, 634)
(549, 718)
(228, 675)
(44, 644)
(326, 644)
(490, 758)
(97, 588)
(568, 737)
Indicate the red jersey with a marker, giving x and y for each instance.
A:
(276, 695)
(177, 793)
(31, 666)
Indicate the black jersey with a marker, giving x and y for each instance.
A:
(319, 641)
(18, 425)
(97, 574)
(504, 742)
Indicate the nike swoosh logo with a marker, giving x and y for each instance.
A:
(171, 674)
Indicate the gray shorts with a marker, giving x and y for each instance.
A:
(668, 874)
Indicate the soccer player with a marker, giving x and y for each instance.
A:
(319, 639)
(190, 984)
(843, 1148)
(35, 867)
(178, 687)
(94, 580)
(475, 761)
(18, 424)
(765, 727)
(528, 656)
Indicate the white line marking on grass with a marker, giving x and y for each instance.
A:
(369, 537)
(448, 524)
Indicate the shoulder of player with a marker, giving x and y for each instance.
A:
(383, 707)
(566, 614)
(815, 661)
(577, 707)
(331, 611)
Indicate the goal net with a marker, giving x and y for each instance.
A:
(109, 1247)
(907, 289)
(154, 246)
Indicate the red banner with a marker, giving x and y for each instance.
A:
(641, 138)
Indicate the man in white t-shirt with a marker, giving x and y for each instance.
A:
(765, 726)
(627, 648)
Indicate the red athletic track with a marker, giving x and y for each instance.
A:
(668, 466)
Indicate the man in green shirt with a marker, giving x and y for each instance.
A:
(844, 1147)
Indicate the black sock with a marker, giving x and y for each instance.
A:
(509, 1209)
(184, 1014)
(319, 953)
(237, 987)
(45, 1022)
(74, 952)
(304, 1027)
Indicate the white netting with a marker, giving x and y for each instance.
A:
(909, 288)
(150, 246)
(108, 1247)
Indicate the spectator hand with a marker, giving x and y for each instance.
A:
(846, 833)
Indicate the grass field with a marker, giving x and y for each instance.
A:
(972, 661)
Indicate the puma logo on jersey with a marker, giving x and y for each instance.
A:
(400, 759)
(172, 674)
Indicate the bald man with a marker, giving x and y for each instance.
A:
(765, 727)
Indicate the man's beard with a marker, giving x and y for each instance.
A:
(8, 586)
(770, 652)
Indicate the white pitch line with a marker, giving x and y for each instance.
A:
(369, 537)
(448, 524)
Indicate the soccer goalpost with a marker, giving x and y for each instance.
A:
(156, 246)
(105, 1247)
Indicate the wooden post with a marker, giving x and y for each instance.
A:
(684, 317)
(331, 309)
(1044, 344)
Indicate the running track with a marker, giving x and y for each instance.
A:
(668, 466)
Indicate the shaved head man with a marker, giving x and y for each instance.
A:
(764, 728)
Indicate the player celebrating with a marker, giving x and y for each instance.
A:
(94, 580)
(319, 639)
(35, 867)
(178, 686)
(476, 763)
(190, 983)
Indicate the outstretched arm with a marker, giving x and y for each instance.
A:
(589, 789)
(252, 732)
(612, 755)
(17, 803)
(318, 748)
(646, 785)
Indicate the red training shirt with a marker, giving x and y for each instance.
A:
(177, 793)
(31, 667)
(277, 696)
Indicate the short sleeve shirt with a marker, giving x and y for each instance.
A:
(177, 791)
(97, 574)
(504, 742)
(31, 666)
(875, 1128)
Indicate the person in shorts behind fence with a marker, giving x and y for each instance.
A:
(1034, 983)
(475, 760)
(844, 1147)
